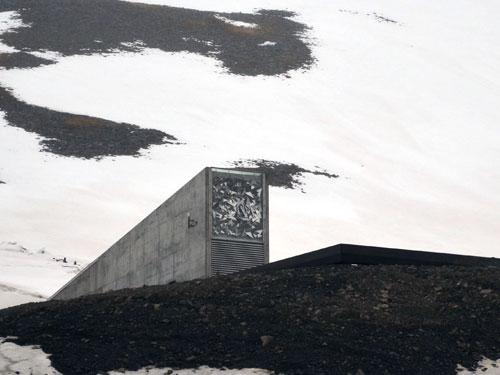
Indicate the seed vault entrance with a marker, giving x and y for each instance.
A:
(238, 221)
(216, 224)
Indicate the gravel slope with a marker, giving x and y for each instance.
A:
(76, 135)
(330, 320)
(72, 27)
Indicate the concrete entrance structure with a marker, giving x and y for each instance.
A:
(218, 223)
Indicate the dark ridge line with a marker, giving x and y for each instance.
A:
(374, 255)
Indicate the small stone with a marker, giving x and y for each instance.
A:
(191, 358)
(486, 291)
(266, 340)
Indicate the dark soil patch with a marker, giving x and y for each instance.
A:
(21, 60)
(279, 174)
(73, 27)
(80, 136)
(331, 320)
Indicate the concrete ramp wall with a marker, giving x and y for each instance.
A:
(162, 248)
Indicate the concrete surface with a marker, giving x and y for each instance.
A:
(173, 243)
(160, 249)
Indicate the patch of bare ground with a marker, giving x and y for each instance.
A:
(77, 135)
(72, 27)
(280, 174)
(21, 60)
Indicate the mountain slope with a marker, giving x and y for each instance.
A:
(400, 100)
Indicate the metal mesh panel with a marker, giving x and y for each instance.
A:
(232, 256)
(237, 206)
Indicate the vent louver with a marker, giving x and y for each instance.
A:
(232, 256)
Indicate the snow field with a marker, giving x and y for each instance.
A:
(32, 276)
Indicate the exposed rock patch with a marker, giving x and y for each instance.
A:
(331, 320)
(72, 27)
(280, 174)
(76, 135)
(22, 60)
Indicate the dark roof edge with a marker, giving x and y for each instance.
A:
(359, 254)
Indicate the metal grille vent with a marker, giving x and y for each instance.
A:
(232, 256)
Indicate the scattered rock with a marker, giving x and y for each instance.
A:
(280, 174)
(266, 340)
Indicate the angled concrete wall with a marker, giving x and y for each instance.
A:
(160, 249)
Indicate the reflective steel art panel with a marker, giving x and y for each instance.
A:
(237, 207)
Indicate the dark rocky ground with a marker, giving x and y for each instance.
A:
(280, 174)
(338, 319)
(21, 60)
(80, 136)
(73, 27)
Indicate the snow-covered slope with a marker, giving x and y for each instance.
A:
(32, 276)
(401, 102)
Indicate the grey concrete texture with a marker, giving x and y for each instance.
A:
(158, 250)
(173, 243)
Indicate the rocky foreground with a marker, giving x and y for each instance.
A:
(336, 319)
